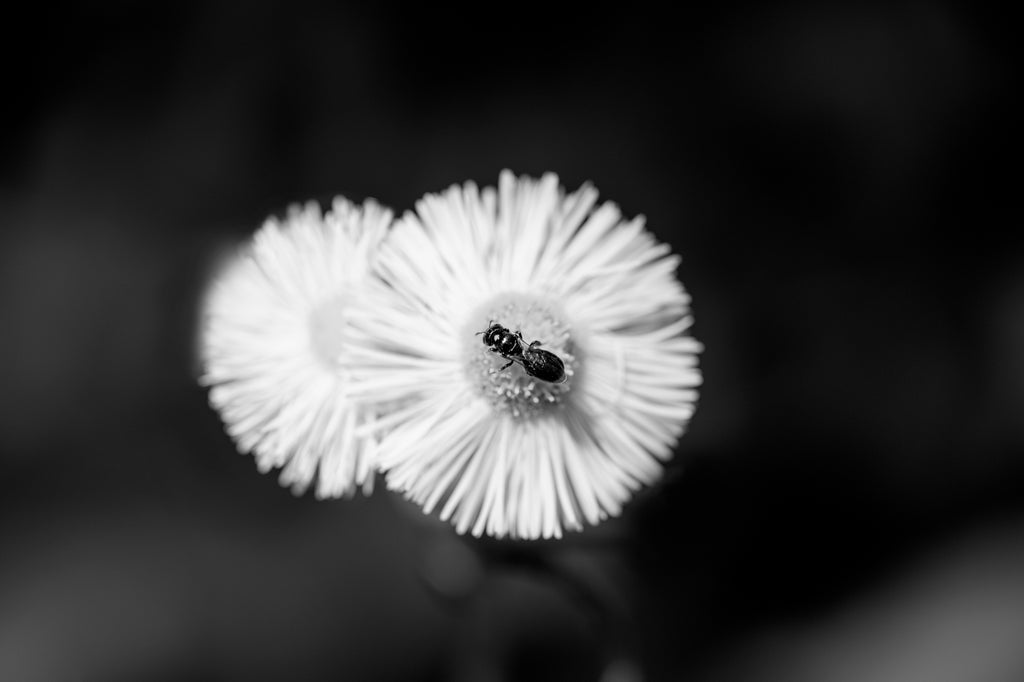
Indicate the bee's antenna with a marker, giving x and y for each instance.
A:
(490, 325)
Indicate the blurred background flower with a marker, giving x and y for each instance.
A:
(849, 503)
(274, 346)
(498, 449)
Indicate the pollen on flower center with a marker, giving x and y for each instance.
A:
(512, 389)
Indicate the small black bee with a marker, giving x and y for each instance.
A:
(537, 362)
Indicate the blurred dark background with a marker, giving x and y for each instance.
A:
(849, 501)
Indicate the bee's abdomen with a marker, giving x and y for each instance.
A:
(543, 364)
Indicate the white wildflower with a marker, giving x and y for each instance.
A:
(503, 452)
(274, 345)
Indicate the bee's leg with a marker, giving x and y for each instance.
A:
(534, 344)
(507, 364)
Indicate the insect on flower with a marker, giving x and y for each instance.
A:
(537, 362)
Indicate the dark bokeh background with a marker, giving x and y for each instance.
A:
(848, 503)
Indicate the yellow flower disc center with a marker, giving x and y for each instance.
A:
(512, 389)
(327, 331)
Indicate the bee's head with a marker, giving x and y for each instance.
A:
(493, 333)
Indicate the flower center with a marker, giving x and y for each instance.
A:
(327, 331)
(516, 388)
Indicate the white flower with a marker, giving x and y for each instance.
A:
(275, 351)
(502, 452)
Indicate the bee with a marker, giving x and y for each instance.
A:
(537, 362)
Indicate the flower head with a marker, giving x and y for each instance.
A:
(275, 348)
(497, 449)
